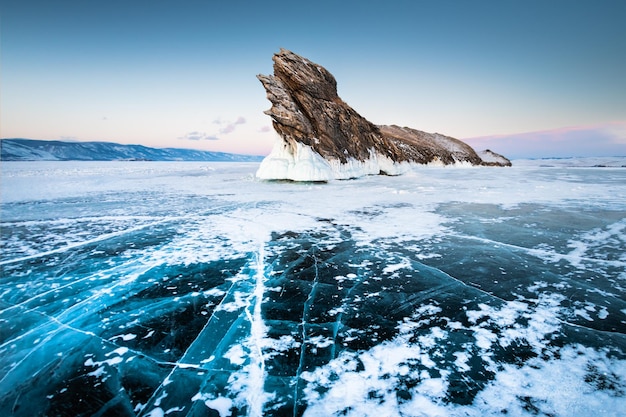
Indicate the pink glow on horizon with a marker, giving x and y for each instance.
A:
(602, 139)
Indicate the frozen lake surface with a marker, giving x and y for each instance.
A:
(193, 289)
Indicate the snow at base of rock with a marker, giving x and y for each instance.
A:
(304, 164)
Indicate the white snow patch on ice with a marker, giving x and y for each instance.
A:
(390, 269)
(558, 387)
(156, 412)
(124, 337)
(236, 355)
(220, 404)
(121, 351)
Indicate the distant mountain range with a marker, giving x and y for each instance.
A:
(54, 150)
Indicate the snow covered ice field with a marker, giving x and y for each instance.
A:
(193, 289)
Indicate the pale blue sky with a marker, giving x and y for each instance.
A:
(182, 73)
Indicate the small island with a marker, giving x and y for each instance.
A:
(322, 138)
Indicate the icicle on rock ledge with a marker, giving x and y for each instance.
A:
(322, 138)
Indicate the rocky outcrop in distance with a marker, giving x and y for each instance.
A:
(490, 158)
(323, 138)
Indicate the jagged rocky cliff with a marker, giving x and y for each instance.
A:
(323, 138)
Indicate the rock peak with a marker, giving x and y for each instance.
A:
(301, 74)
(323, 138)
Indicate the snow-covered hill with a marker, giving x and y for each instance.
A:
(44, 150)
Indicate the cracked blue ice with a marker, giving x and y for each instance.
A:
(180, 288)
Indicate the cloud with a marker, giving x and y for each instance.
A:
(265, 129)
(226, 127)
(607, 139)
(198, 136)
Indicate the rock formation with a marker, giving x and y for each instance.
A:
(490, 158)
(322, 138)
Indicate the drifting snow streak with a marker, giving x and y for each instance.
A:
(614, 234)
(77, 245)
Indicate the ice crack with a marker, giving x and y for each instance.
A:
(96, 239)
(305, 310)
(558, 319)
(65, 326)
(573, 257)
(256, 395)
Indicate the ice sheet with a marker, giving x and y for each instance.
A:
(138, 288)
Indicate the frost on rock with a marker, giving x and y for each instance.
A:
(298, 162)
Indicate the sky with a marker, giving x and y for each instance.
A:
(535, 78)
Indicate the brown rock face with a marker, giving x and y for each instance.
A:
(306, 110)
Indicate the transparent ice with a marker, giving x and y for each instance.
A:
(194, 289)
